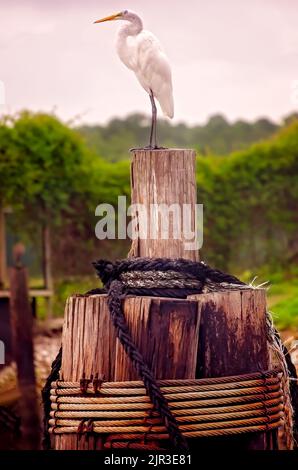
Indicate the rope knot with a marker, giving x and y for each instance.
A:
(164, 277)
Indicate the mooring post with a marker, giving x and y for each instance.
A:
(22, 323)
(165, 330)
(232, 336)
(164, 192)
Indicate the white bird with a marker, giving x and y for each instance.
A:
(141, 52)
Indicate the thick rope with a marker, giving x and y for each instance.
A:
(252, 378)
(187, 399)
(46, 391)
(71, 421)
(109, 272)
(203, 433)
(110, 408)
(290, 387)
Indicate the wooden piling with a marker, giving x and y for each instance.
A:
(163, 181)
(232, 336)
(22, 324)
(2, 249)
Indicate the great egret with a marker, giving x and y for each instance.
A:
(141, 52)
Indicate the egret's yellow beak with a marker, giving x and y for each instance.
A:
(110, 18)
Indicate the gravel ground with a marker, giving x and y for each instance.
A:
(47, 341)
(46, 349)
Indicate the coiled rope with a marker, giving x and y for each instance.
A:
(201, 407)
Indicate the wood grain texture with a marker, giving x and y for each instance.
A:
(88, 338)
(233, 341)
(88, 342)
(165, 330)
(232, 333)
(163, 177)
(166, 333)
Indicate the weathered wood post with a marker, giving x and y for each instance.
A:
(47, 268)
(2, 248)
(233, 341)
(165, 330)
(163, 181)
(22, 323)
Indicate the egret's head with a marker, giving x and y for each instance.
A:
(122, 15)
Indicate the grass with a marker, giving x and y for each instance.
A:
(283, 303)
(282, 296)
(65, 288)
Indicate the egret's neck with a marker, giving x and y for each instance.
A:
(132, 28)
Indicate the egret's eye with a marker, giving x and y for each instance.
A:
(125, 12)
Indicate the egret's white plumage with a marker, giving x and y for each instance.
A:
(141, 52)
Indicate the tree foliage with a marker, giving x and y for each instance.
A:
(251, 202)
(42, 164)
(217, 136)
(250, 196)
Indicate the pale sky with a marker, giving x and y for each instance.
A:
(235, 57)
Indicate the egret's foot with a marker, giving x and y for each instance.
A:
(137, 148)
(148, 147)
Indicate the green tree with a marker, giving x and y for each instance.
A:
(42, 165)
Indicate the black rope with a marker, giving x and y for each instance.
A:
(108, 271)
(144, 292)
(115, 296)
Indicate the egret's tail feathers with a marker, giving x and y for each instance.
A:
(166, 102)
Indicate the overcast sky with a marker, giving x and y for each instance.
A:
(236, 57)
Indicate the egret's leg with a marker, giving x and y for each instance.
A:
(153, 138)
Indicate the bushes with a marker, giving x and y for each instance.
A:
(250, 197)
(251, 203)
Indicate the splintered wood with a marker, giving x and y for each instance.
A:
(165, 331)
